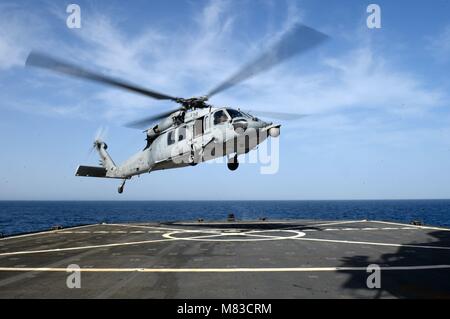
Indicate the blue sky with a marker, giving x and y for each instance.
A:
(378, 100)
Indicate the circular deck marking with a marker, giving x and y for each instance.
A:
(226, 235)
(234, 235)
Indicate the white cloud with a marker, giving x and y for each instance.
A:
(358, 79)
(176, 62)
(191, 60)
(19, 31)
(439, 45)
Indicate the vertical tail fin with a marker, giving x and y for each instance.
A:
(105, 159)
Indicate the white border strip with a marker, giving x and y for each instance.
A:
(220, 270)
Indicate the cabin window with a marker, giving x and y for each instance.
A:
(181, 133)
(220, 117)
(206, 123)
(170, 138)
(198, 127)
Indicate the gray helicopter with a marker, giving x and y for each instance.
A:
(196, 131)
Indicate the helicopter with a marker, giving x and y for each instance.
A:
(196, 131)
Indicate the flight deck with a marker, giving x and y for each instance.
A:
(229, 259)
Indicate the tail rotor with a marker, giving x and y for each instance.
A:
(99, 138)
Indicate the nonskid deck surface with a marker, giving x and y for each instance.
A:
(261, 259)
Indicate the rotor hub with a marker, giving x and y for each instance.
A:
(194, 102)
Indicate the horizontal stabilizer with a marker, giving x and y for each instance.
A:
(91, 171)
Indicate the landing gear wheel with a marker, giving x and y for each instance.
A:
(233, 164)
(192, 160)
(121, 187)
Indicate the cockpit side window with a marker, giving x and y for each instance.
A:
(234, 113)
(220, 117)
(171, 138)
(181, 133)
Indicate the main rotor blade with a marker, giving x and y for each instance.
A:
(298, 39)
(148, 121)
(279, 115)
(46, 62)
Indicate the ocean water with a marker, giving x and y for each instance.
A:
(29, 216)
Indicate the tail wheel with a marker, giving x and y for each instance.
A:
(233, 164)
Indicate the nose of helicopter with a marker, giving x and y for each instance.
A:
(242, 125)
(258, 124)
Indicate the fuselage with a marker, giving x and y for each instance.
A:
(204, 134)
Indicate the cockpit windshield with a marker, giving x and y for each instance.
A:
(247, 115)
(235, 113)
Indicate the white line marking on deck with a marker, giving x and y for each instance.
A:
(45, 232)
(83, 247)
(371, 243)
(111, 232)
(147, 227)
(237, 223)
(224, 270)
(414, 226)
(244, 235)
(339, 223)
(359, 229)
(216, 233)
